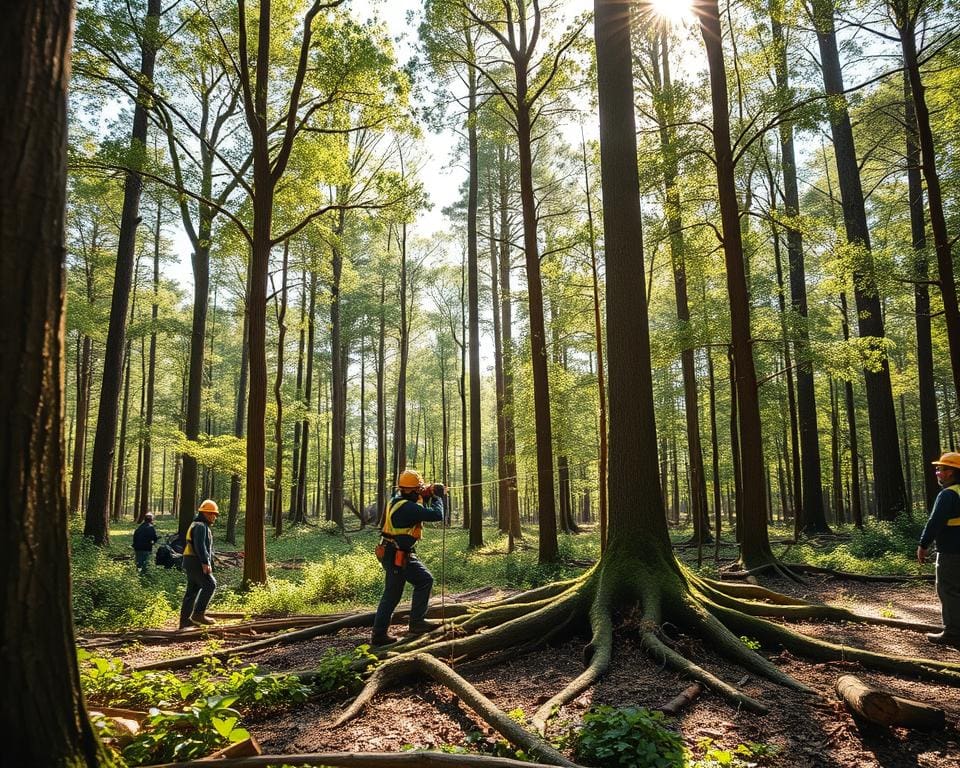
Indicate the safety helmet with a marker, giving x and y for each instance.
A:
(949, 459)
(410, 478)
(209, 505)
(148, 517)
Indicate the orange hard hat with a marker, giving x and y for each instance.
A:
(410, 478)
(209, 505)
(949, 459)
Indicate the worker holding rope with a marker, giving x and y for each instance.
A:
(414, 503)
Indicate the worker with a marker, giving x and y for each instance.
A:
(144, 537)
(198, 565)
(943, 527)
(413, 504)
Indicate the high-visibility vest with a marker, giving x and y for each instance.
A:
(188, 549)
(953, 521)
(389, 531)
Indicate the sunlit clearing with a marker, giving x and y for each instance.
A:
(674, 12)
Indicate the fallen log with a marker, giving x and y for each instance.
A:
(883, 708)
(246, 748)
(361, 760)
(683, 700)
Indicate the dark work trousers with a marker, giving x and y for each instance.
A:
(417, 574)
(200, 588)
(948, 590)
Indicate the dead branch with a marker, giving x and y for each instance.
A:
(885, 709)
(685, 699)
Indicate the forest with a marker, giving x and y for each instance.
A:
(660, 295)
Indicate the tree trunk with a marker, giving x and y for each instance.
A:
(295, 459)
(277, 498)
(506, 326)
(666, 119)
(381, 403)
(504, 513)
(929, 418)
(42, 709)
(755, 543)
(400, 413)
(96, 524)
(855, 506)
(338, 388)
(887, 468)
(300, 508)
(906, 20)
(236, 480)
(636, 503)
(151, 375)
(84, 376)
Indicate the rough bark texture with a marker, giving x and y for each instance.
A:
(887, 467)
(96, 525)
(41, 705)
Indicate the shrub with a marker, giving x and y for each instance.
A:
(629, 737)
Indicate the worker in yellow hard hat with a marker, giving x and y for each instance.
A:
(943, 527)
(198, 565)
(414, 504)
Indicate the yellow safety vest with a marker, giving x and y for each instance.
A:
(953, 521)
(189, 550)
(389, 531)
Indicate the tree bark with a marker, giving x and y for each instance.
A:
(755, 543)
(887, 467)
(41, 707)
(929, 418)
(96, 525)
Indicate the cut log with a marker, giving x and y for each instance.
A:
(685, 699)
(885, 709)
(246, 748)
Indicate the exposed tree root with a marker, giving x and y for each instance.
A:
(798, 610)
(425, 664)
(360, 760)
(804, 568)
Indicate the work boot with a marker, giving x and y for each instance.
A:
(944, 638)
(423, 626)
(202, 620)
(381, 638)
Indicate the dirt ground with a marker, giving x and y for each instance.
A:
(807, 731)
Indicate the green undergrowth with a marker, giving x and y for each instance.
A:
(189, 717)
(317, 569)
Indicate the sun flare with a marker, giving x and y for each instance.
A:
(674, 12)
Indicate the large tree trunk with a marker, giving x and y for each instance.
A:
(856, 507)
(96, 525)
(906, 21)
(636, 503)
(887, 467)
(548, 546)
(929, 418)
(755, 543)
(41, 706)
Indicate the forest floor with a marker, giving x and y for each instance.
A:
(803, 730)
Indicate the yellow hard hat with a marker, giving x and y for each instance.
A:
(949, 459)
(410, 478)
(209, 505)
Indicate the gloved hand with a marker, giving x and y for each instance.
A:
(426, 491)
(438, 489)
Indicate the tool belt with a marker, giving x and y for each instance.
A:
(386, 546)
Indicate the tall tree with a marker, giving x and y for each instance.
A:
(812, 494)
(887, 466)
(96, 524)
(755, 548)
(41, 706)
